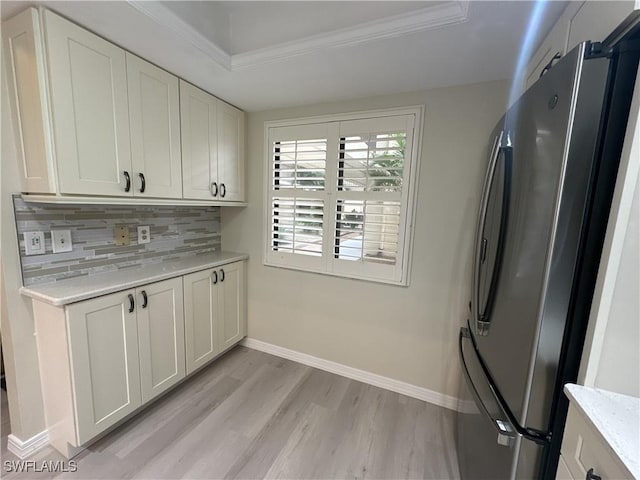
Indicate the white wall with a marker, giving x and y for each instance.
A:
(405, 333)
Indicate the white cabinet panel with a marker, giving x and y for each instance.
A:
(26, 78)
(89, 105)
(154, 113)
(103, 346)
(201, 312)
(233, 320)
(595, 20)
(230, 152)
(198, 115)
(563, 472)
(160, 313)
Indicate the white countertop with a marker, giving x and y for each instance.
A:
(77, 289)
(615, 416)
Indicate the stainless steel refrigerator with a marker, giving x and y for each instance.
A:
(547, 192)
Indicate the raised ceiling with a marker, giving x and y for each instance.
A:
(262, 55)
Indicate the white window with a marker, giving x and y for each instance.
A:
(340, 194)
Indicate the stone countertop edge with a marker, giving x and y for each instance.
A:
(615, 416)
(64, 292)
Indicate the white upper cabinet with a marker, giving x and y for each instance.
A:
(91, 119)
(212, 147)
(580, 21)
(26, 79)
(230, 152)
(88, 94)
(154, 115)
(595, 21)
(198, 117)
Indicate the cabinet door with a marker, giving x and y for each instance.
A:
(230, 152)
(103, 346)
(88, 84)
(232, 324)
(201, 312)
(27, 96)
(154, 115)
(199, 143)
(160, 336)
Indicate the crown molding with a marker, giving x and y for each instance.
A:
(164, 17)
(449, 13)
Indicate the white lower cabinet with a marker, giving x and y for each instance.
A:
(214, 309)
(160, 336)
(102, 359)
(585, 454)
(103, 347)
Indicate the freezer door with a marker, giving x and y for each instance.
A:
(551, 132)
(489, 444)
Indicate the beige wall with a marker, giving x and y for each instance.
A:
(18, 341)
(405, 333)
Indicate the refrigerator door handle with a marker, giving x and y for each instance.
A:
(502, 420)
(503, 428)
(484, 203)
(481, 313)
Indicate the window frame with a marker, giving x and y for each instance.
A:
(323, 265)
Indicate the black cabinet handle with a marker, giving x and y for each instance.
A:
(132, 303)
(592, 476)
(214, 277)
(223, 190)
(214, 189)
(145, 300)
(127, 178)
(143, 183)
(222, 274)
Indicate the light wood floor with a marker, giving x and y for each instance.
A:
(252, 415)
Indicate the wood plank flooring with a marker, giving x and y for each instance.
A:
(251, 415)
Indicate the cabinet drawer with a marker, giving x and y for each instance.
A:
(583, 449)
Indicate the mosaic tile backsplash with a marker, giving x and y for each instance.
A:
(176, 232)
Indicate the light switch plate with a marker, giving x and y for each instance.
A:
(121, 235)
(61, 241)
(34, 243)
(144, 235)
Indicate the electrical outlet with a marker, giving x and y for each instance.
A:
(34, 243)
(61, 241)
(144, 235)
(121, 235)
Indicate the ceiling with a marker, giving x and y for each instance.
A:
(264, 54)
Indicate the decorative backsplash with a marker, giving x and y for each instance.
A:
(176, 232)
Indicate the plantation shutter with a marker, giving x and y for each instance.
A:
(371, 196)
(297, 194)
(340, 194)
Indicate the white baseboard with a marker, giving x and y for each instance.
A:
(374, 379)
(23, 449)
